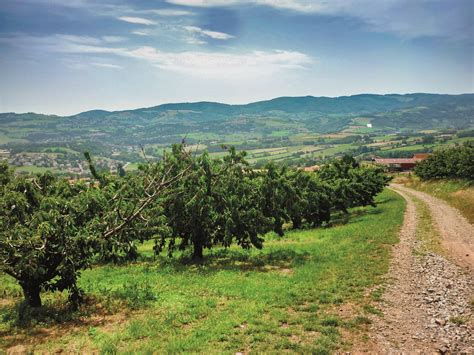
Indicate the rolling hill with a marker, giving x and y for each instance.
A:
(116, 135)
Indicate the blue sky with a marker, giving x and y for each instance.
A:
(68, 56)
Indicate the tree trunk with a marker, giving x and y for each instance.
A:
(278, 227)
(296, 223)
(198, 251)
(32, 295)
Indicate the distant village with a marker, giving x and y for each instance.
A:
(78, 167)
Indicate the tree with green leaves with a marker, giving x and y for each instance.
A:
(48, 228)
(317, 193)
(277, 194)
(352, 185)
(456, 162)
(51, 229)
(216, 204)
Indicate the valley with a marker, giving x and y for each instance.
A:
(297, 131)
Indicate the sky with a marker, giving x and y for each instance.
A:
(68, 56)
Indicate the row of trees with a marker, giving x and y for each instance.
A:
(51, 229)
(452, 162)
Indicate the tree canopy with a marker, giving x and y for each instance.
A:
(451, 162)
(51, 229)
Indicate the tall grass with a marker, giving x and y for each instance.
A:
(458, 193)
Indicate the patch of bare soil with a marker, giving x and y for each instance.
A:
(24, 342)
(426, 305)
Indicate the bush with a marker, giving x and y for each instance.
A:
(452, 162)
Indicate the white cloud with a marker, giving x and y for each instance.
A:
(113, 39)
(107, 65)
(194, 40)
(60, 43)
(223, 65)
(404, 18)
(140, 33)
(170, 12)
(249, 64)
(208, 33)
(206, 3)
(137, 20)
(68, 38)
(297, 5)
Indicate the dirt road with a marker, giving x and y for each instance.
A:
(427, 305)
(457, 234)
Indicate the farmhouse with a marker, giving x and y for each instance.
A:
(400, 164)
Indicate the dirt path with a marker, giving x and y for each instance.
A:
(456, 232)
(426, 305)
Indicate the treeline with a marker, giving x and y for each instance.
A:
(452, 162)
(51, 229)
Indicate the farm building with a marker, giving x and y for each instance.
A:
(400, 164)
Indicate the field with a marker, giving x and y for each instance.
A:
(310, 291)
(304, 131)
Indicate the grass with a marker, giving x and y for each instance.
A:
(337, 149)
(31, 169)
(425, 230)
(458, 193)
(281, 133)
(4, 139)
(299, 294)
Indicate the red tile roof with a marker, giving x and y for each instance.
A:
(395, 161)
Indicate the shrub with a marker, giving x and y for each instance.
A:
(452, 162)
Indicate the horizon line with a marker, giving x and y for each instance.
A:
(236, 104)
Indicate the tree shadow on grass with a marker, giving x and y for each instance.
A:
(355, 214)
(54, 316)
(240, 260)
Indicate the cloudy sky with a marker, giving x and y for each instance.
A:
(67, 56)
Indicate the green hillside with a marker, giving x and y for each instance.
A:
(287, 122)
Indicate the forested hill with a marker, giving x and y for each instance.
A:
(424, 104)
(412, 109)
(105, 133)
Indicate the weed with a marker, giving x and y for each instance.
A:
(362, 320)
(137, 294)
(372, 310)
(458, 320)
(331, 321)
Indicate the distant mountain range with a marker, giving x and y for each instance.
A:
(360, 104)
(210, 121)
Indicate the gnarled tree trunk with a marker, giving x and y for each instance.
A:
(32, 294)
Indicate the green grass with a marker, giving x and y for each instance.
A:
(363, 130)
(30, 169)
(425, 230)
(281, 133)
(337, 149)
(415, 147)
(4, 139)
(60, 150)
(458, 193)
(290, 296)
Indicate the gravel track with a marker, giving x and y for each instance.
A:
(426, 304)
(456, 232)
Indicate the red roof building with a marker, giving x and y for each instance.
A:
(400, 164)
